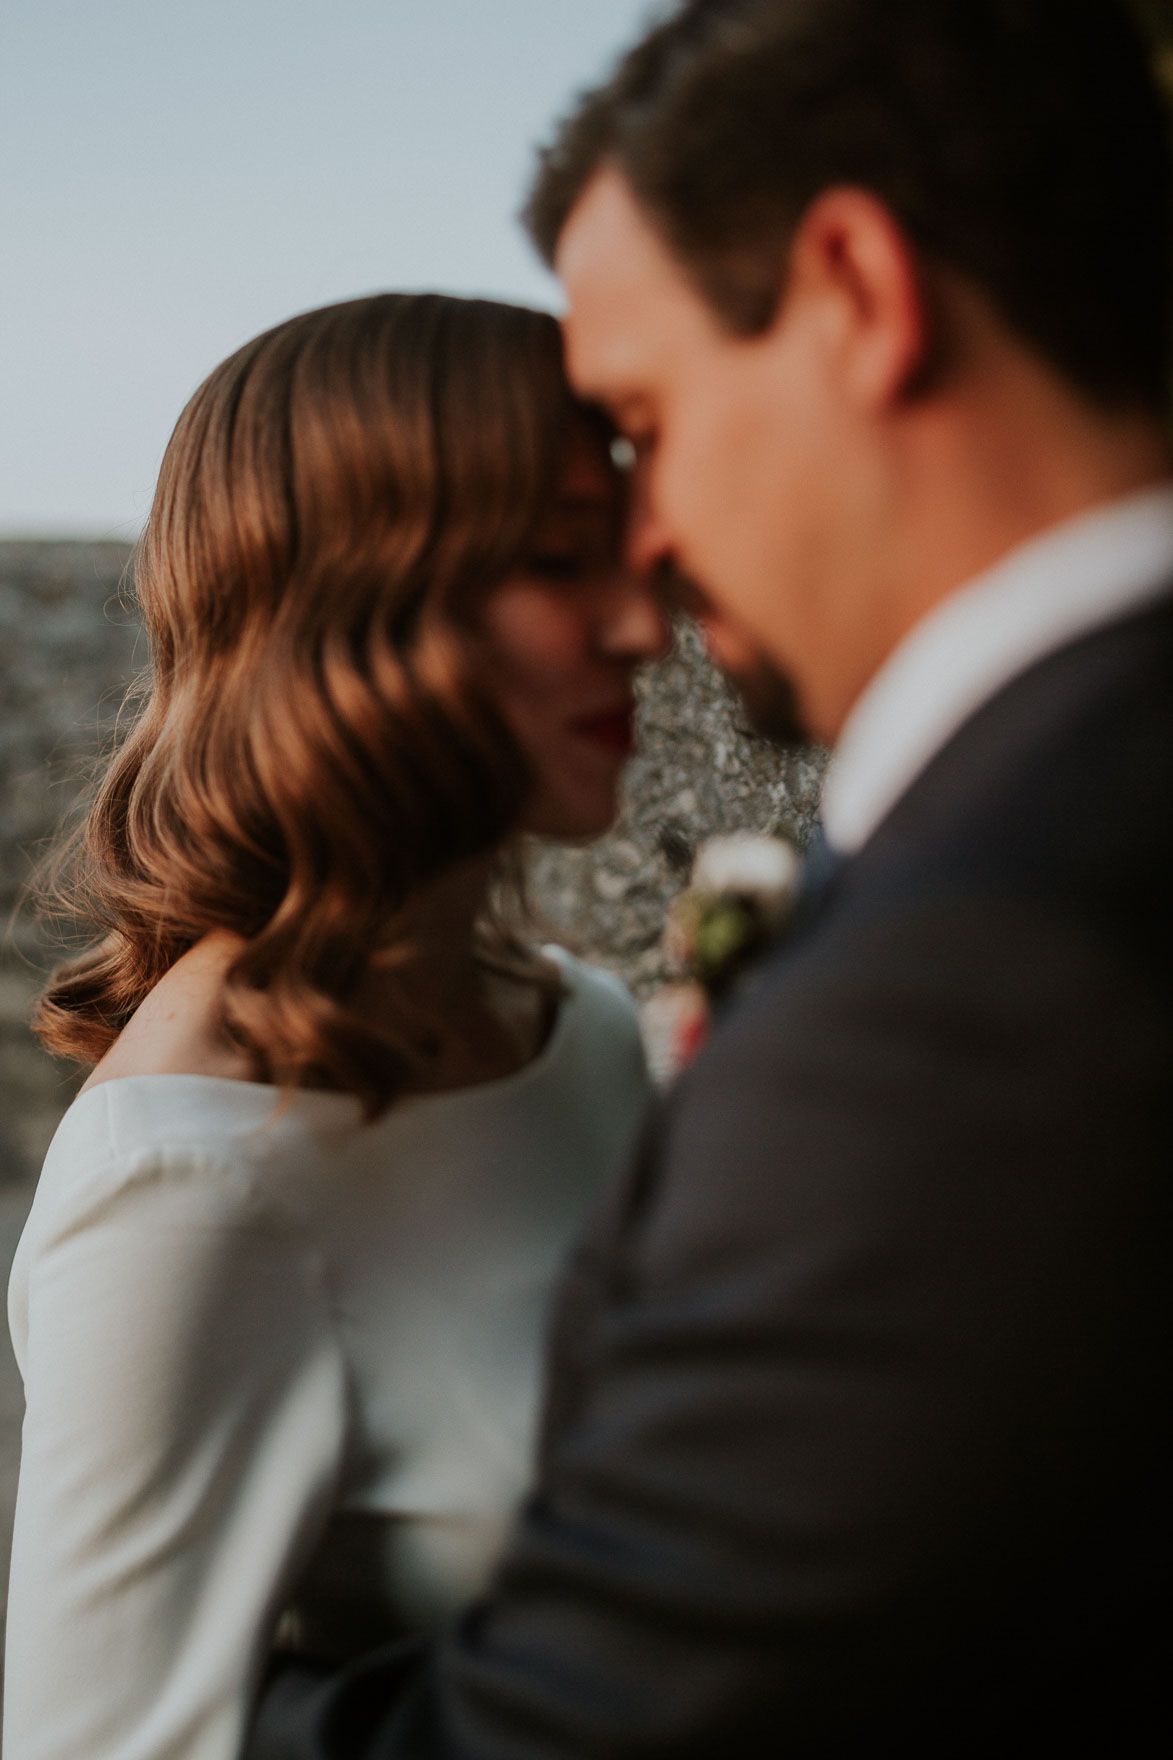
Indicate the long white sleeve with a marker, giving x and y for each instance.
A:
(187, 1411)
(239, 1318)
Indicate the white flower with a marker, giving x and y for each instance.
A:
(763, 869)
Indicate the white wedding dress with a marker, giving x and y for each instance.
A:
(274, 1355)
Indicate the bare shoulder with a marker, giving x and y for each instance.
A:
(176, 1029)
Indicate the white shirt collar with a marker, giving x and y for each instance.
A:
(1052, 589)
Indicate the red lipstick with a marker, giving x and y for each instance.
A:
(612, 729)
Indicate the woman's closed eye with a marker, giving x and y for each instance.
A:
(576, 561)
(559, 565)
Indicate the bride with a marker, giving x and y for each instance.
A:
(279, 1302)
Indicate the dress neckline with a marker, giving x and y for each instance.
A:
(330, 1100)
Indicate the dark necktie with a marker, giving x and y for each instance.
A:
(821, 867)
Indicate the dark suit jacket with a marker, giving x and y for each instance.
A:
(858, 1423)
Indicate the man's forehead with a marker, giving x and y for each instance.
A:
(625, 293)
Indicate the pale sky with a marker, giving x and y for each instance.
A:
(176, 177)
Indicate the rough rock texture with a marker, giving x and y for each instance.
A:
(69, 646)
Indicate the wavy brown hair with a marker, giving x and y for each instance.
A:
(316, 743)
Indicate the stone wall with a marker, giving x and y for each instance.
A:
(69, 645)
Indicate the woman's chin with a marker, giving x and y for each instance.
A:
(573, 821)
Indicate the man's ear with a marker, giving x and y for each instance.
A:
(851, 257)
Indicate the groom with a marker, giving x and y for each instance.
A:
(858, 1416)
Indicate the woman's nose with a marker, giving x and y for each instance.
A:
(634, 625)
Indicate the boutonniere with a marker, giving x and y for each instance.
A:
(741, 893)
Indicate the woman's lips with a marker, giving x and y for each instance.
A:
(612, 729)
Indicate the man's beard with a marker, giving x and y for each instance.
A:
(768, 696)
(770, 702)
